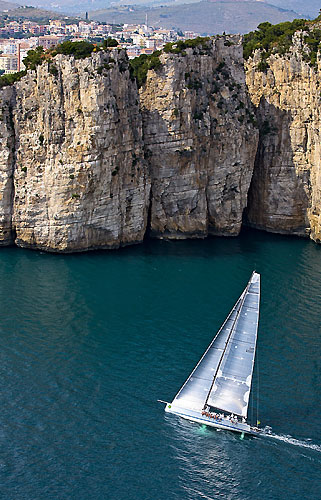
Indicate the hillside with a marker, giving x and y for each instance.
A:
(308, 8)
(7, 6)
(202, 17)
(17, 13)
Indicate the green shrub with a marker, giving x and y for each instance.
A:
(313, 42)
(180, 46)
(80, 50)
(139, 66)
(123, 66)
(268, 37)
(263, 66)
(101, 68)
(11, 79)
(198, 115)
(109, 42)
(53, 70)
(215, 88)
(265, 128)
(34, 58)
(194, 85)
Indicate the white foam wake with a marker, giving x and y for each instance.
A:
(291, 440)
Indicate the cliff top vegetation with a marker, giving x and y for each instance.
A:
(267, 38)
(180, 46)
(277, 39)
(80, 50)
(139, 66)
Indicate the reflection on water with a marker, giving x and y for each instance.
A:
(90, 342)
(219, 464)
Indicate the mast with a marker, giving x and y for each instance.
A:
(228, 339)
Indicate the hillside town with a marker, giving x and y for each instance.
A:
(17, 38)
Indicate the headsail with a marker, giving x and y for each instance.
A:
(222, 378)
(232, 385)
(194, 392)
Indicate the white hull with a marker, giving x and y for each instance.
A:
(223, 423)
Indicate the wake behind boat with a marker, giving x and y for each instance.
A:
(217, 391)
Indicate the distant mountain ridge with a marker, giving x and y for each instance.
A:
(205, 17)
(7, 6)
(308, 8)
(35, 14)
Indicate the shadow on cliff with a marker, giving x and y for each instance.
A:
(176, 153)
(278, 194)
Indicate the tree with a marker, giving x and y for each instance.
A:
(34, 57)
(109, 42)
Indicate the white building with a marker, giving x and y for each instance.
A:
(133, 51)
(9, 63)
(9, 48)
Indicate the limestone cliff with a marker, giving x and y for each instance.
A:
(7, 153)
(88, 160)
(80, 179)
(285, 194)
(82, 146)
(200, 140)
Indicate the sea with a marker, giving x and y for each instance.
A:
(90, 342)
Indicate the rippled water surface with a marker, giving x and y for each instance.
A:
(89, 342)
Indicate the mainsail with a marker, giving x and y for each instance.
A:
(222, 378)
(232, 385)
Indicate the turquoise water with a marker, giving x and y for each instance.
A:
(89, 342)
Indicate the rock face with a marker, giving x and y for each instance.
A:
(7, 154)
(81, 148)
(285, 194)
(88, 160)
(200, 140)
(80, 179)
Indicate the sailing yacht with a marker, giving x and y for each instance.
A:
(217, 391)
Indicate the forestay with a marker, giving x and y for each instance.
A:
(194, 392)
(231, 388)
